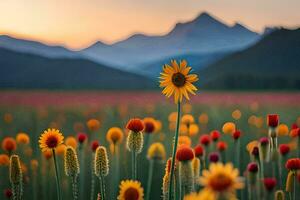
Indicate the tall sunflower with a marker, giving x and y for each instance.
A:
(222, 179)
(177, 81)
(131, 190)
(50, 139)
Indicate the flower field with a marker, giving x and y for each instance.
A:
(118, 145)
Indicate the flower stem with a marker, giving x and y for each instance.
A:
(294, 185)
(134, 174)
(92, 180)
(150, 175)
(57, 176)
(102, 188)
(75, 188)
(174, 151)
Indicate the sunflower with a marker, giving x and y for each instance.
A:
(131, 190)
(176, 80)
(203, 195)
(221, 179)
(50, 139)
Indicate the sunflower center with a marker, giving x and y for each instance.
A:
(178, 79)
(220, 182)
(52, 141)
(131, 194)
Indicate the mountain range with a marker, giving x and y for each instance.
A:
(205, 34)
(225, 57)
(29, 71)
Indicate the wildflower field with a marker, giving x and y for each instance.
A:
(120, 145)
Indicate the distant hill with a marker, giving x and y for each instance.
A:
(204, 34)
(272, 63)
(28, 71)
(34, 47)
(197, 61)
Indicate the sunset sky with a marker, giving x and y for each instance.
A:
(78, 23)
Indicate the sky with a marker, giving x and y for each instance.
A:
(79, 23)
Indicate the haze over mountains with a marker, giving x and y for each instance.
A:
(203, 35)
(226, 57)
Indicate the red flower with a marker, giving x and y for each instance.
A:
(185, 153)
(252, 167)
(273, 120)
(81, 137)
(255, 152)
(135, 125)
(294, 126)
(236, 135)
(295, 132)
(205, 139)
(293, 164)
(214, 157)
(270, 183)
(215, 135)
(199, 150)
(94, 145)
(264, 141)
(284, 149)
(8, 193)
(221, 145)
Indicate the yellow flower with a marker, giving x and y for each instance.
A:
(187, 119)
(71, 141)
(193, 129)
(156, 151)
(177, 81)
(23, 138)
(184, 140)
(202, 195)
(131, 190)
(283, 130)
(114, 135)
(50, 139)
(228, 128)
(222, 179)
(251, 145)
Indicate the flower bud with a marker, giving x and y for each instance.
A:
(15, 171)
(205, 140)
(279, 195)
(71, 162)
(215, 135)
(264, 148)
(101, 167)
(135, 141)
(289, 182)
(252, 169)
(293, 164)
(199, 151)
(284, 149)
(269, 183)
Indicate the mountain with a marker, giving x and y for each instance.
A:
(29, 71)
(38, 48)
(204, 34)
(272, 63)
(197, 61)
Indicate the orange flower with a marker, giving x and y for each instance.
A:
(9, 144)
(23, 138)
(93, 124)
(50, 139)
(71, 141)
(185, 153)
(149, 123)
(184, 140)
(114, 135)
(4, 160)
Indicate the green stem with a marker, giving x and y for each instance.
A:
(150, 175)
(134, 174)
(74, 188)
(294, 189)
(174, 151)
(82, 177)
(57, 176)
(92, 180)
(117, 170)
(102, 188)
